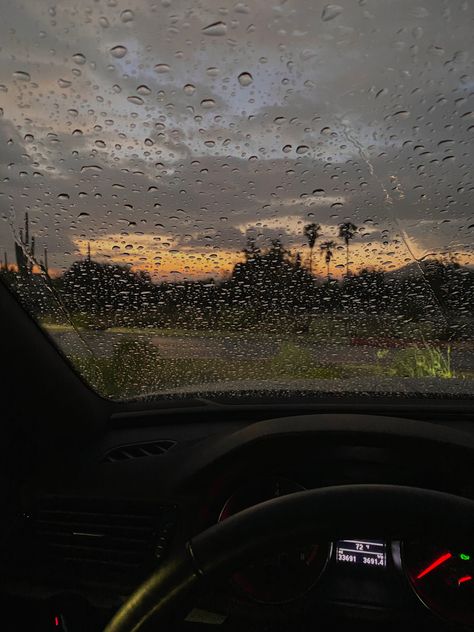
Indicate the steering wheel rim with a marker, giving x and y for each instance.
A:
(320, 514)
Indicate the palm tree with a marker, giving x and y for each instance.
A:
(347, 231)
(311, 232)
(328, 247)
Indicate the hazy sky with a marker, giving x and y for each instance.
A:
(164, 132)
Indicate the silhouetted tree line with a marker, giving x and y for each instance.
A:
(269, 284)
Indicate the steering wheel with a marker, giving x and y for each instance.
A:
(319, 514)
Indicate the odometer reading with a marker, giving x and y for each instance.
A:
(362, 552)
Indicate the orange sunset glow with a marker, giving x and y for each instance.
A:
(143, 253)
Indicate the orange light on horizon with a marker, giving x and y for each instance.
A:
(142, 253)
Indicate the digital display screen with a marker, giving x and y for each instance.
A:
(362, 552)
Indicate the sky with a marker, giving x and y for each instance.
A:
(165, 133)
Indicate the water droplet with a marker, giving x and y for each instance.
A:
(402, 114)
(77, 132)
(189, 89)
(127, 16)
(1, 111)
(245, 79)
(286, 149)
(63, 196)
(85, 168)
(83, 214)
(302, 149)
(330, 12)
(212, 71)
(21, 75)
(208, 103)
(116, 88)
(216, 29)
(100, 143)
(148, 142)
(3, 88)
(103, 21)
(79, 59)
(64, 83)
(162, 68)
(136, 100)
(29, 138)
(143, 90)
(326, 131)
(118, 51)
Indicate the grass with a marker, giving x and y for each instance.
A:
(422, 361)
(136, 368)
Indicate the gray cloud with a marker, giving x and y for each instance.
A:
(372, 110)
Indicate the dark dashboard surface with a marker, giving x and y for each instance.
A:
(95, 522)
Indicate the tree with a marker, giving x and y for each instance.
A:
(328, 247)
(347, 231)
(251, 251)
(311, 232)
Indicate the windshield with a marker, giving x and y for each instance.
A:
(234, 196)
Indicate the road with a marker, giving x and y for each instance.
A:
(104, 343)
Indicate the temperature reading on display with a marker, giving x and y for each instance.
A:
(362, 552)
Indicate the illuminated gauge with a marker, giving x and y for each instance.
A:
(285, 575)
(443, 578)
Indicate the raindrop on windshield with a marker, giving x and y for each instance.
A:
(216, 28)
(143, 90)
(162, 68)
(330, 12)
(245, 79)
(118, 51)
(21, 75)
(136, 100)
(189, 89)
(127, 16)
(79, 59)
(208, 103)
(302, 149)
(92, 168)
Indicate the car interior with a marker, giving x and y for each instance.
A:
(100, 497)
(239, 452)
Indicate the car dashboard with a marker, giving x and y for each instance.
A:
(93, 524)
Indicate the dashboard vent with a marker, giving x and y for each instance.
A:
(138, 450)
(94, 542)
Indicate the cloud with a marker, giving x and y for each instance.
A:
(366, 117)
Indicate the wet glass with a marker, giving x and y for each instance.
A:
(238, 196)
